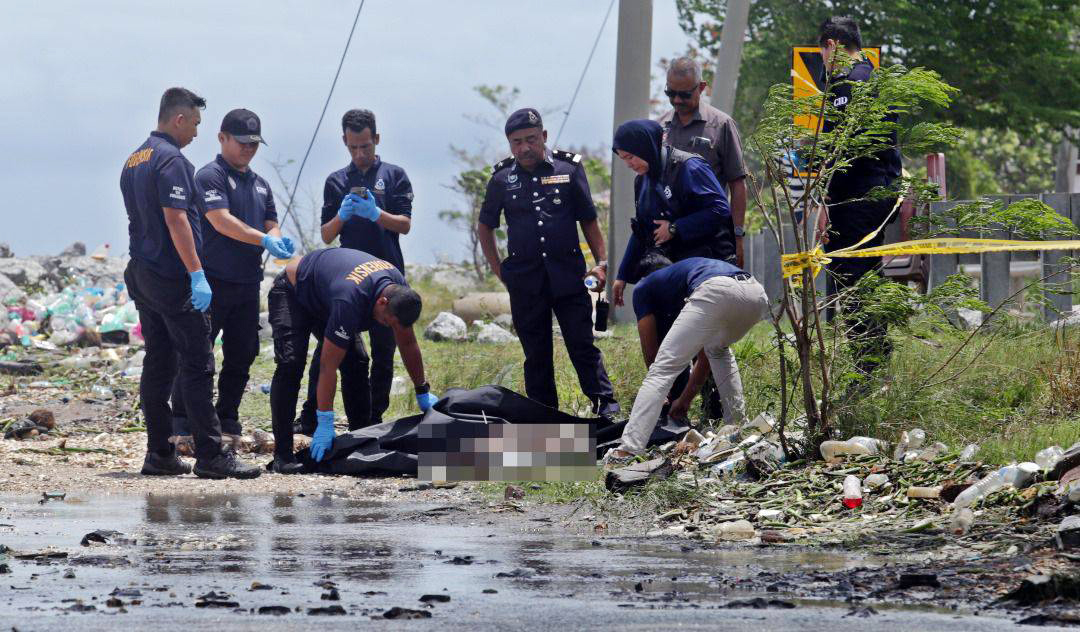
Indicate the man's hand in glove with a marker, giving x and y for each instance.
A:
(323, 438)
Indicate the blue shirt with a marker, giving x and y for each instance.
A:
(393, 194)
(248, 198)
(663, 292)
(340, 286)
(154, 177)
(696, 204)
(542, 208)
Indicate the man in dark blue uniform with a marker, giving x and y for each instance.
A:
(372, 226)
(544, 196)
(335, 294)
(168, 284)
(850, 216)
(240, 222)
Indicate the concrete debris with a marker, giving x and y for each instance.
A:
(493, 334)
(637, 474)
(446, 327)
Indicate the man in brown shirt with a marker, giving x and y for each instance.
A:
(700, 128)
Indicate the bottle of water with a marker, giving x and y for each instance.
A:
(852, 492)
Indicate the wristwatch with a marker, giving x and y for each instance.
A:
(673, 229)
(423, 389)
(739, 231)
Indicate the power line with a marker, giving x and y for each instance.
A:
(583, 71)
(296, 184)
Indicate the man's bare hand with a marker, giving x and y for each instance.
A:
(662, 234)
(617, 289)
(601, 275)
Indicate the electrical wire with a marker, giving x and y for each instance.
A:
(583, 71)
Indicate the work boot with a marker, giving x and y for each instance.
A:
(157, 465)
(225, 465)
(286, 465)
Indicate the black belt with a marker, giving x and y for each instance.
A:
(742, 276)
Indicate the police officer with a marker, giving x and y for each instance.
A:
(701, 129)
(377, 233)
(849, 217)
(334, 294)
(545, 195)
(165, 278)
(240, 221)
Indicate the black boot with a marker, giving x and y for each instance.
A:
(286, 465)
(158, 465)
(225, 465)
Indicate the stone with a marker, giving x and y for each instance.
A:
(24, 271)
(77, 249)
(43, 417)
(637, 474)
(491, 333)
(446, 327)
(506, 321)
(968, 318)
(405, 613)
(1036, 589)
(1067, 536)
(5, 251)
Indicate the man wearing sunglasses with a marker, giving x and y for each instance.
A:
(701, 129)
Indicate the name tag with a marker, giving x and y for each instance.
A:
(563, 179)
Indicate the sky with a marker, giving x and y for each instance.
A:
(82, 80)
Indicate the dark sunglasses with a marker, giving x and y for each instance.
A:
(682, 94)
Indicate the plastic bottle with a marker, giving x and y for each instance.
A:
(1073, 491)
(909, 440)
(852, 492)
(1047, 458)
(873, 481)
(1016, 475)
(101, 392)
(969, 452)
(961, 521)
(832, 450)
(592, 282)
(924, 492)
(736, 530)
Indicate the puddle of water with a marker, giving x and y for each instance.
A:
(378, 555)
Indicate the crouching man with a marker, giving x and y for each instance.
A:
(716, 304)
(334, 294)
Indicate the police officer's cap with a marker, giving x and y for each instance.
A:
(522, 119)
(243, 125)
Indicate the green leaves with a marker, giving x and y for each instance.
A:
(1028, 219)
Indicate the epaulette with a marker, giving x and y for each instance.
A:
(566, 155)
(502, 164)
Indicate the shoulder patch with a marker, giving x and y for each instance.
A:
(502, 164)
(567, 156)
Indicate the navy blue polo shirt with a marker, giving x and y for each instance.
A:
(340, 286)
(393, 194)
(247, 197)
(696, 204)
(154, 177)
(665, 291)
(542, 208)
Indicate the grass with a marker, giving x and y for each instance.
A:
(1002, 401)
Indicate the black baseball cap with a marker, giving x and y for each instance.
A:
(243, 125)
(523, 118)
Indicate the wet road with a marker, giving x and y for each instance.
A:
(215, 562)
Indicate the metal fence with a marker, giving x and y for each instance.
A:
(999, 274)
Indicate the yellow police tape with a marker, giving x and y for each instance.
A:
(795, 263)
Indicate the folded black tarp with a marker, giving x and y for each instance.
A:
(390, 449)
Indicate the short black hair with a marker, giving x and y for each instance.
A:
(842, 29)
(358, 121)
(178, 99)
(404, 303)
(651, 262)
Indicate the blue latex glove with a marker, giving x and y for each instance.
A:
(348, 207)
(324, 434)
(279, 247)
(200, 291)
(426, 401)
(365, 207)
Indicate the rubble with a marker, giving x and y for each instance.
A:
(446, 327)
(493, 334)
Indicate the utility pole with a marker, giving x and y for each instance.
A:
(633, 60)
(726, 77)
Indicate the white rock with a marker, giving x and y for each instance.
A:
(492, 333)
(505, 321)
(969, 318)
(398, 385)
(446, 326)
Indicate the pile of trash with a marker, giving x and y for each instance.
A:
(860, 490)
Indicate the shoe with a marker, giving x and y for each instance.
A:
(282, 465)
(611, 461)
(156, 465)
(304, 428)
(225, 465)
(184, 444)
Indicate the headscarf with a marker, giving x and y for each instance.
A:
(642, 138)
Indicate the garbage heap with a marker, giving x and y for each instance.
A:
(861, 492)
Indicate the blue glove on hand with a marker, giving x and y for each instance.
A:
(324, 434)
(348, 207)
(200, 291)
(279, 247)
(426, 401)
(365, 207)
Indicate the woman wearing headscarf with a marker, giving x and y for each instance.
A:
(682, 210)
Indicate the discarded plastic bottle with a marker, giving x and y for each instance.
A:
(969, 452)
(102, 392)
(832, 450)
(852, 492)
(1018, 476)
(909, 440)
(873, 481)
(961, 521)
(923, 492)
(1048, 457)
(736, 530)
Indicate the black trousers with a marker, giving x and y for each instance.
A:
(293, 326)
(531, 314)
(234, 313)
(370, 395)
(177, 335)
